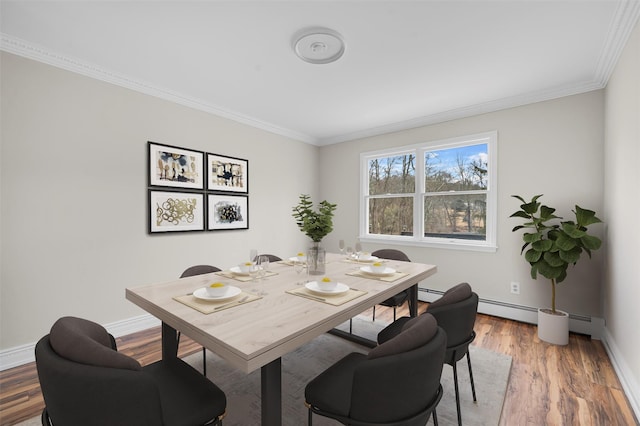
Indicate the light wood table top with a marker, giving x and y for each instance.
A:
(253, 334)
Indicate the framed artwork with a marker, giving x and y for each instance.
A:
(175, 167)
(227, 212)
(175, 211)
(227, 174)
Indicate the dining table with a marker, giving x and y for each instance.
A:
(264, 318)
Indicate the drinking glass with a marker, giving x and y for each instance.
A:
(358, 250)
(341, 245)
(252, 255)
(264, 264)
(299, 267)
(254, 270)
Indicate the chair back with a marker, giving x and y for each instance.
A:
(199, 270)
(457, 320)
(400, 386)
(88, 392)
(391, 254)
(272, 257)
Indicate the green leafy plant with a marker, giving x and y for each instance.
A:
(553, 245)
(315, 224)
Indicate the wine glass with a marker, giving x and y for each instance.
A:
(341, 246)
(350, 252)
(358, 250)
(253, 253)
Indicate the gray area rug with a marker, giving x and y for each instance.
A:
(490, 371)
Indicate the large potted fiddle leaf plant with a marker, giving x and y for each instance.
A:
(551, 245)
(316, 224)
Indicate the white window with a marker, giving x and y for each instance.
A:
(437, 194)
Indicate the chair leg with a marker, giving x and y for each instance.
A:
(309, 421)
(44, 418)
(204, 362)
(350, 325)
(435, 417)
(473, 387)
(455, 381)
(374, 312)
(394, 313)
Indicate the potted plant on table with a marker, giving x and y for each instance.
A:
(316, 224)
(551, 246)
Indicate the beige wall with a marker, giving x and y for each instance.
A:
(622, 177)
(74, 194)
(553, 148)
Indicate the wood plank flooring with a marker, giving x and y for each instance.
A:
(549, 385)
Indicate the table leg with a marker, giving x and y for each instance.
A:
(169, 342)
(413, 300)
(271, 388)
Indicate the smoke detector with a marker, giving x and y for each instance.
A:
(318, 45)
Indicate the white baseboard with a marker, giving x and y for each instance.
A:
(24, 354)
(629, 383)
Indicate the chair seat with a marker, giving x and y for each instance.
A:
(396, 300)
(186, 398)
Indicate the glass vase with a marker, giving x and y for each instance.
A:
(316, 257)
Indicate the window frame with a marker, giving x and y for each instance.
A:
(418, 238)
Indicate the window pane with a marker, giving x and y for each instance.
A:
(392, 175)
(391, 216)
(456, 169)
(456, 216)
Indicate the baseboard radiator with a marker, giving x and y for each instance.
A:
(591, 326)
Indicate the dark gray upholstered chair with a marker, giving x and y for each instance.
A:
(86, 381)
(456, 313)
(190, 272)
(199, 270)
(403, 296)
(272, 257)
(397, 383)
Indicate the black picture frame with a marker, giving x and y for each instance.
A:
(227, 212)
(176, 211)
(227, 174)
(175, 167)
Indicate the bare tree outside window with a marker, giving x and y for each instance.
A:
(455, 192)
(390, 213)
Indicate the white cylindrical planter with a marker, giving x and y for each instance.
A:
(553, 328)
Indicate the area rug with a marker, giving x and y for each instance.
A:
(490, 371)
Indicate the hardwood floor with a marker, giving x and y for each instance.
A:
(549, 385)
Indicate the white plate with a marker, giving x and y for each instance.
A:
(236, 270)
(297, 259)
(202, 294)
(387, 271)
(340, 288)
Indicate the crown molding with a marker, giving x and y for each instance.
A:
(38, 53)
(626, 15)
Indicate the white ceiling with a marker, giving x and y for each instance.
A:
(406, 64)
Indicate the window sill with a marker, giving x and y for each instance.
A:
(445, 244)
